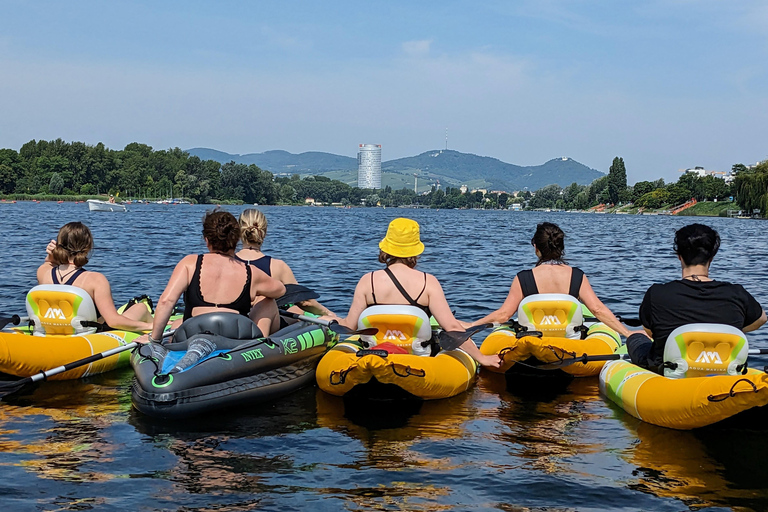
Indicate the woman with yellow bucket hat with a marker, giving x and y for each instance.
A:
(401, 284)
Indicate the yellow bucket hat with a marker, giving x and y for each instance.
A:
(402, 240)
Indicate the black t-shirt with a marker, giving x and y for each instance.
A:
(668, 306)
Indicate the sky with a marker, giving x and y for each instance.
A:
(666, 85)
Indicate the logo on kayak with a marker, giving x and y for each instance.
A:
(56, 313)
(252, 355)
(550, 320)
(709, 358)
(394, 334)
(289, 346)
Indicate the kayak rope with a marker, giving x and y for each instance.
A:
(506, 350)
(732, 392)
(409, 372)
(342, 376)
(562, 353)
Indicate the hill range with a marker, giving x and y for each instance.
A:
(448, 167)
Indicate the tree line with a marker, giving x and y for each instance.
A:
(61, 168)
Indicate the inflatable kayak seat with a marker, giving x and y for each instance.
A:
(227, 325)
(405, 326)
(60, 309)
(552, 314)
(700, 350)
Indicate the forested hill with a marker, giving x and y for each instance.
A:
(450, 167)
(277, 161)
(460, 167)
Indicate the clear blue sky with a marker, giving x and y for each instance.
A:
(664, 84)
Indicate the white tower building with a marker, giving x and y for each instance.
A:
(369, 166)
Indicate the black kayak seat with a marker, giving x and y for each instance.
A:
(229, 325)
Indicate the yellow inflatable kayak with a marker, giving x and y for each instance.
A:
(532, 349)
(24, 355)
(348, 366)
(682, 404)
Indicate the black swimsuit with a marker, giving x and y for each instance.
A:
(411, 301)
(264, 264)
(71, 280)
(528, 282)
(193, 297)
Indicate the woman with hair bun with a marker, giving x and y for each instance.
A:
(551, 275)
(219, 281)
(253, 231)
(67, 257)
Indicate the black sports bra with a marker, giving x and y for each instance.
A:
(411, 301)
(528, 282)
(193, 297)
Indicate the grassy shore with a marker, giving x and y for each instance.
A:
(710, 209)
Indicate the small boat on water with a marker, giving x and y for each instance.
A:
(95, 205)
(221, 360)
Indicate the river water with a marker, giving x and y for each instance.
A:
(78, 445)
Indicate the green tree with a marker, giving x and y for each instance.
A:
(617, 180)
(56, 185)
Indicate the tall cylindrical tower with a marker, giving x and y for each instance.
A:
(369, 166)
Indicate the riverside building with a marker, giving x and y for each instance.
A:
(369, 166)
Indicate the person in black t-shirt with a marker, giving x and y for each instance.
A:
(693, 299)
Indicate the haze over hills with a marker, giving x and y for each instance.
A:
(449, 167)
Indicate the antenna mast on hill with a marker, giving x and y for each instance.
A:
(446, 138)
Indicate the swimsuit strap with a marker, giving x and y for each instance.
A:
(425, 287)
(373, 294)
(69, 281)
(527, 283)
(577, 276)
(402, 290)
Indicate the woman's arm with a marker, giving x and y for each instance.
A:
(757, 323)
(600, 310)
(283, 272)
(440, 309)
(506, 311)
(177, 284)
(265, 286)
(102, 298)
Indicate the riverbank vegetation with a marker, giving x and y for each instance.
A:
(58, 170)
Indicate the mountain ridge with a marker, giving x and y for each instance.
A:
(449, 167)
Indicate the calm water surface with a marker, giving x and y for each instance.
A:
(79, 445)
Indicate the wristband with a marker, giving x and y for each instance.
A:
(153, 340)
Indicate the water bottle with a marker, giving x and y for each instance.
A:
(197, 350)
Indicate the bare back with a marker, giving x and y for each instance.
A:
(553, 278)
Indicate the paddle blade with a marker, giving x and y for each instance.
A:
(340, 329)
(8, 388)
(450, 340)
(295, 293)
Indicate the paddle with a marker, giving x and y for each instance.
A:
(632, 322)
(451, 340)
(295, 293)
(585, 358)
(330, 324)
(6, 388)
(15, 320)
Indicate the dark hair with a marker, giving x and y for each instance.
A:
(548, 239)
(388, 259)
(696, 244)
(221, 229)
(74, 241)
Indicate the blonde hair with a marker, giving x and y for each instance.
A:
(253, 227)
(74, 241)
